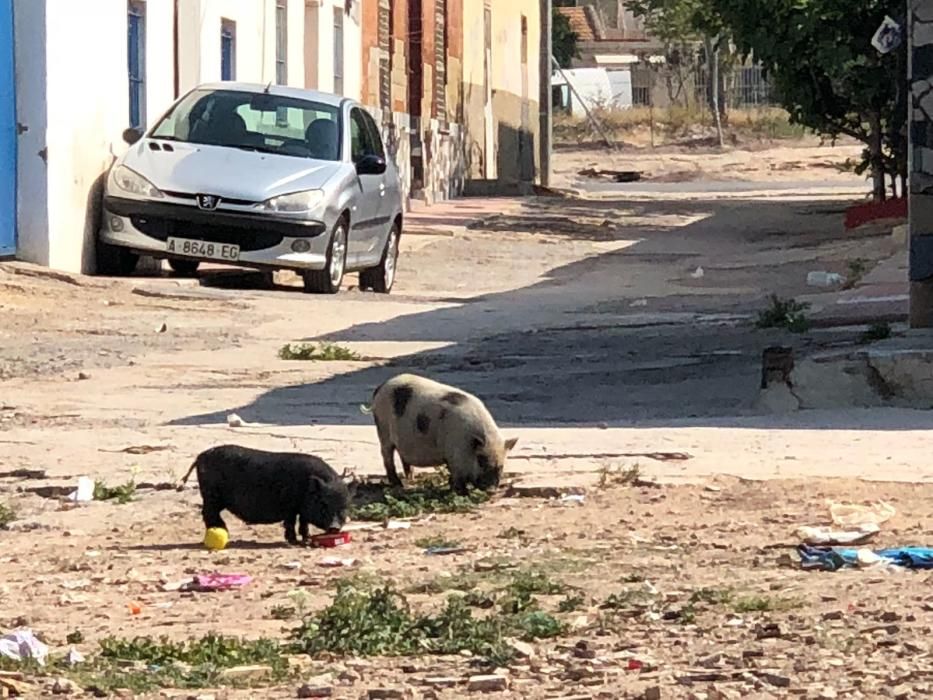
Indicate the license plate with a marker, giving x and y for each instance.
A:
(203, 249)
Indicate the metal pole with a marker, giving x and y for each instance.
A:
(546, 137)
(593, 121)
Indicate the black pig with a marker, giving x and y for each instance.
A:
(262, 487)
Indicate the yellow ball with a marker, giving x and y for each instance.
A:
(216, 538)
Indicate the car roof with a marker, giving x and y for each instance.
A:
(326, 98)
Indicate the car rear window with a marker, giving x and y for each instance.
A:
(261, 122)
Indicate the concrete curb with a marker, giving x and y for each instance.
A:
(891, 373)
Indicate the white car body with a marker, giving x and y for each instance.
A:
(200, 198)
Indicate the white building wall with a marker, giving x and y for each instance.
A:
(199, 28)
(73, 96)
(319, 46)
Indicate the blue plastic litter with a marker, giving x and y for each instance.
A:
(835, 558)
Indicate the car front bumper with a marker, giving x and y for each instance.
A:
(145, 226)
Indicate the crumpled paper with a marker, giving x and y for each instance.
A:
(21, 645)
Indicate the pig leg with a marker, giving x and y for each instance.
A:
(290, 535)
(388, 459)
(406, 467)
(210, 512)
(388, 453)
(303, 529)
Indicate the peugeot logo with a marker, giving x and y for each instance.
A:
(208, 202)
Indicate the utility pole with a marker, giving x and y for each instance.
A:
(546, 135)
(919, 31)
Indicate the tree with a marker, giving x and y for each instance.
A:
(819, 58)
(563, 39)
(681, 24)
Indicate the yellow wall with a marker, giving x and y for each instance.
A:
(513, 135)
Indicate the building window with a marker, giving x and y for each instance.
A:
(281, 42)
(385, 60)
(136, 62)
(338, 50)
(440, 60)
(227, 49)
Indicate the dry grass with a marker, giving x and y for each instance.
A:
(676, 125)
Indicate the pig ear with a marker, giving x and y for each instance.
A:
(479, 442)
(510, 444)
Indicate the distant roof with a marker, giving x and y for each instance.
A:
(580, 22)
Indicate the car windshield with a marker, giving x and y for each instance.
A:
(252, 121)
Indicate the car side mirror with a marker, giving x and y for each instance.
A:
(371, 165)
(132, 135)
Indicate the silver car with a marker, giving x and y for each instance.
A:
(257, 176)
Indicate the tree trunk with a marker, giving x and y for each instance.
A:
(875, 157)
(712, 60)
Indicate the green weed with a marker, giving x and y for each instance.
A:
(784, 313)
(122, 493)
(429, 494)
(876, 332)
(7, 515)
(321, 352)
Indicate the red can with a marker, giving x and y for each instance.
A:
(330, 539)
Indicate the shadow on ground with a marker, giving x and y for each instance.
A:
(540, 357)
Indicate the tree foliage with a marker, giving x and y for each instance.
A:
(818, 56)
(819, 59)
(563, 39)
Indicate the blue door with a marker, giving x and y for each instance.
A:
(7, 132)
(136, 53)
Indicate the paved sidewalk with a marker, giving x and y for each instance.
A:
(456, 215)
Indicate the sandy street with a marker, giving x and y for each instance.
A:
(603, 329)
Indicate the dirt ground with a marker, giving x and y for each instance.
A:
(590, 331)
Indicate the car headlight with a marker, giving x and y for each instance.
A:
(134, 183)
(296, 203)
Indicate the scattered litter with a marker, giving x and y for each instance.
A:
(571, 498)
(615, 175)
(827, 536)
(821, 278)
(134, 608)
(635, 665)
(330, 539)
(336, 562)
(85, 491)
(698, 273)
(206, 583)
(23, 474)
(711, 488)
(76, 584)
(23, 645)
(292, 565)
(440, 551)
(139, 449)
(162, 328)
(855, 515)
(639, 302)
(834, 558)
(74, 657)
(397, 525)
(234, 421)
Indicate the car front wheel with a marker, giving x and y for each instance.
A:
(185, 268)
(114, 261)
(382, 277)
(328, 280)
